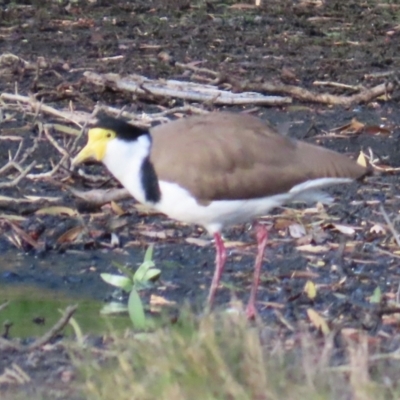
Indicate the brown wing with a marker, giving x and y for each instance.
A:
(236, 156)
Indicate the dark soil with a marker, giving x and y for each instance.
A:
(289, 41)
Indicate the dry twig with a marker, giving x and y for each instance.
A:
(390, 224)
(77, 118)
(4, 305)
(6, 344)
(18, 179)
(98, 197)
(55, 330)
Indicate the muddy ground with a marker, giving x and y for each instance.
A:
(293, 42)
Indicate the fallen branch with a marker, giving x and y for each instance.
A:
(183, 90)
(356, 88)
(299, 93)
(249, 92)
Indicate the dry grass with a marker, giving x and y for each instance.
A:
(223, 357)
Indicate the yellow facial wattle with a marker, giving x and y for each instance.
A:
(96, 145)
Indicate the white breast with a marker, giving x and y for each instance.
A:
(124, 160)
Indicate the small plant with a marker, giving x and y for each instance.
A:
(132, 283)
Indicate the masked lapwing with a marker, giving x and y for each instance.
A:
(216, 170)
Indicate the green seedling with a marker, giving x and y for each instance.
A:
(132, 283)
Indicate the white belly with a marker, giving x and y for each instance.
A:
(177, 203)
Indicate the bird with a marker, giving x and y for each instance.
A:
(216, 170)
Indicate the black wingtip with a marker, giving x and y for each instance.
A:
(369, 171)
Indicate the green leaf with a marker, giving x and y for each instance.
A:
(376, 297)
(140, 273)
(149, 253)
(124, 270)
(145, 272)
(78, 331)
(136, 311)
(119, 281)
(151, 274)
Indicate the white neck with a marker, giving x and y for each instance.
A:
(124, 160)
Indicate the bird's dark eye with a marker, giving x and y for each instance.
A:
(108, 135)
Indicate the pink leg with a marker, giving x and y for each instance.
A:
(262, 238)
(219, 267)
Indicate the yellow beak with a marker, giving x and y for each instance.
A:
(85, 154)
(95, 147)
